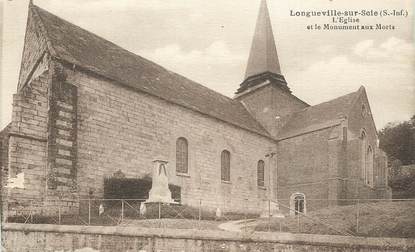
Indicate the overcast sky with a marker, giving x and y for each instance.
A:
(209, 42)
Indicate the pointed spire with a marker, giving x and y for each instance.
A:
(263, 56)
(263, 65)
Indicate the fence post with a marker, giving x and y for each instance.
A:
(31, 212)
(89, 212)
(159, 210)
(245, 221)
(245, 217)
(159, 206)
(59, 215)
(122, 210)
(269, 215)
(357, 217)
(200, 212)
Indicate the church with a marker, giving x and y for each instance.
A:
(86, 109)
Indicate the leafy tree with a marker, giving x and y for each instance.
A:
(398, 141)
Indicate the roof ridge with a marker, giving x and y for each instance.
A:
(318, 116)
(79, 27)
(34, 8)
(95, 54)
(324, 102)
(361, 90)
(132, 53)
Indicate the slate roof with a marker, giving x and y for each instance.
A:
(72, 44)
(263, 56)
(319, 116)
(5, 131)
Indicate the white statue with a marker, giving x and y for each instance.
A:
(160, 191)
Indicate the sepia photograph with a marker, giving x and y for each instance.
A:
(191, 125)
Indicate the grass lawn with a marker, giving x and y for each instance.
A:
(173, 223)
(380, 219)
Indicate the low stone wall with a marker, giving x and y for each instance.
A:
(27, 237)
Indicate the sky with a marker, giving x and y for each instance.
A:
(209, 42)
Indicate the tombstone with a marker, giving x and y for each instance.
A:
(160, 192)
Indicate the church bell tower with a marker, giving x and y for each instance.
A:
(264, 91)
(263, 63)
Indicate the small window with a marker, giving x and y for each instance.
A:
(298, 204)
(369, 166)
(182, 156)
(363, 155)
(364, 110)
(261, 173)
(226, 166)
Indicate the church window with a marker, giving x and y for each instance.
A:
(298, 204)
(363, 154)
(369, 166)
(226, 165)
(182, 156)
(261, 173)
(364, 110)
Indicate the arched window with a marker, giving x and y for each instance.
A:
(369, 166)
(182, 156)
(363, 154)
(261, 173)
(225, 166)
(298, 204)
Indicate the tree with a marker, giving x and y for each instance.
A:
(398, 141)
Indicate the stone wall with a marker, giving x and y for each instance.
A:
(28, 143)
(37, 133)
(268, 102)
(34, 50)
(327, 164)
(123, 129)
(4, 147)
(4, 160)
(62, 184)
(303, 169)
(358, 121)
(50, 238)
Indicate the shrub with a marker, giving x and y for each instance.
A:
(133, 188)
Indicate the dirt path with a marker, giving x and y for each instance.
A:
(237, 226)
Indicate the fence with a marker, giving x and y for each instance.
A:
(350, 217)
(126, 212)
